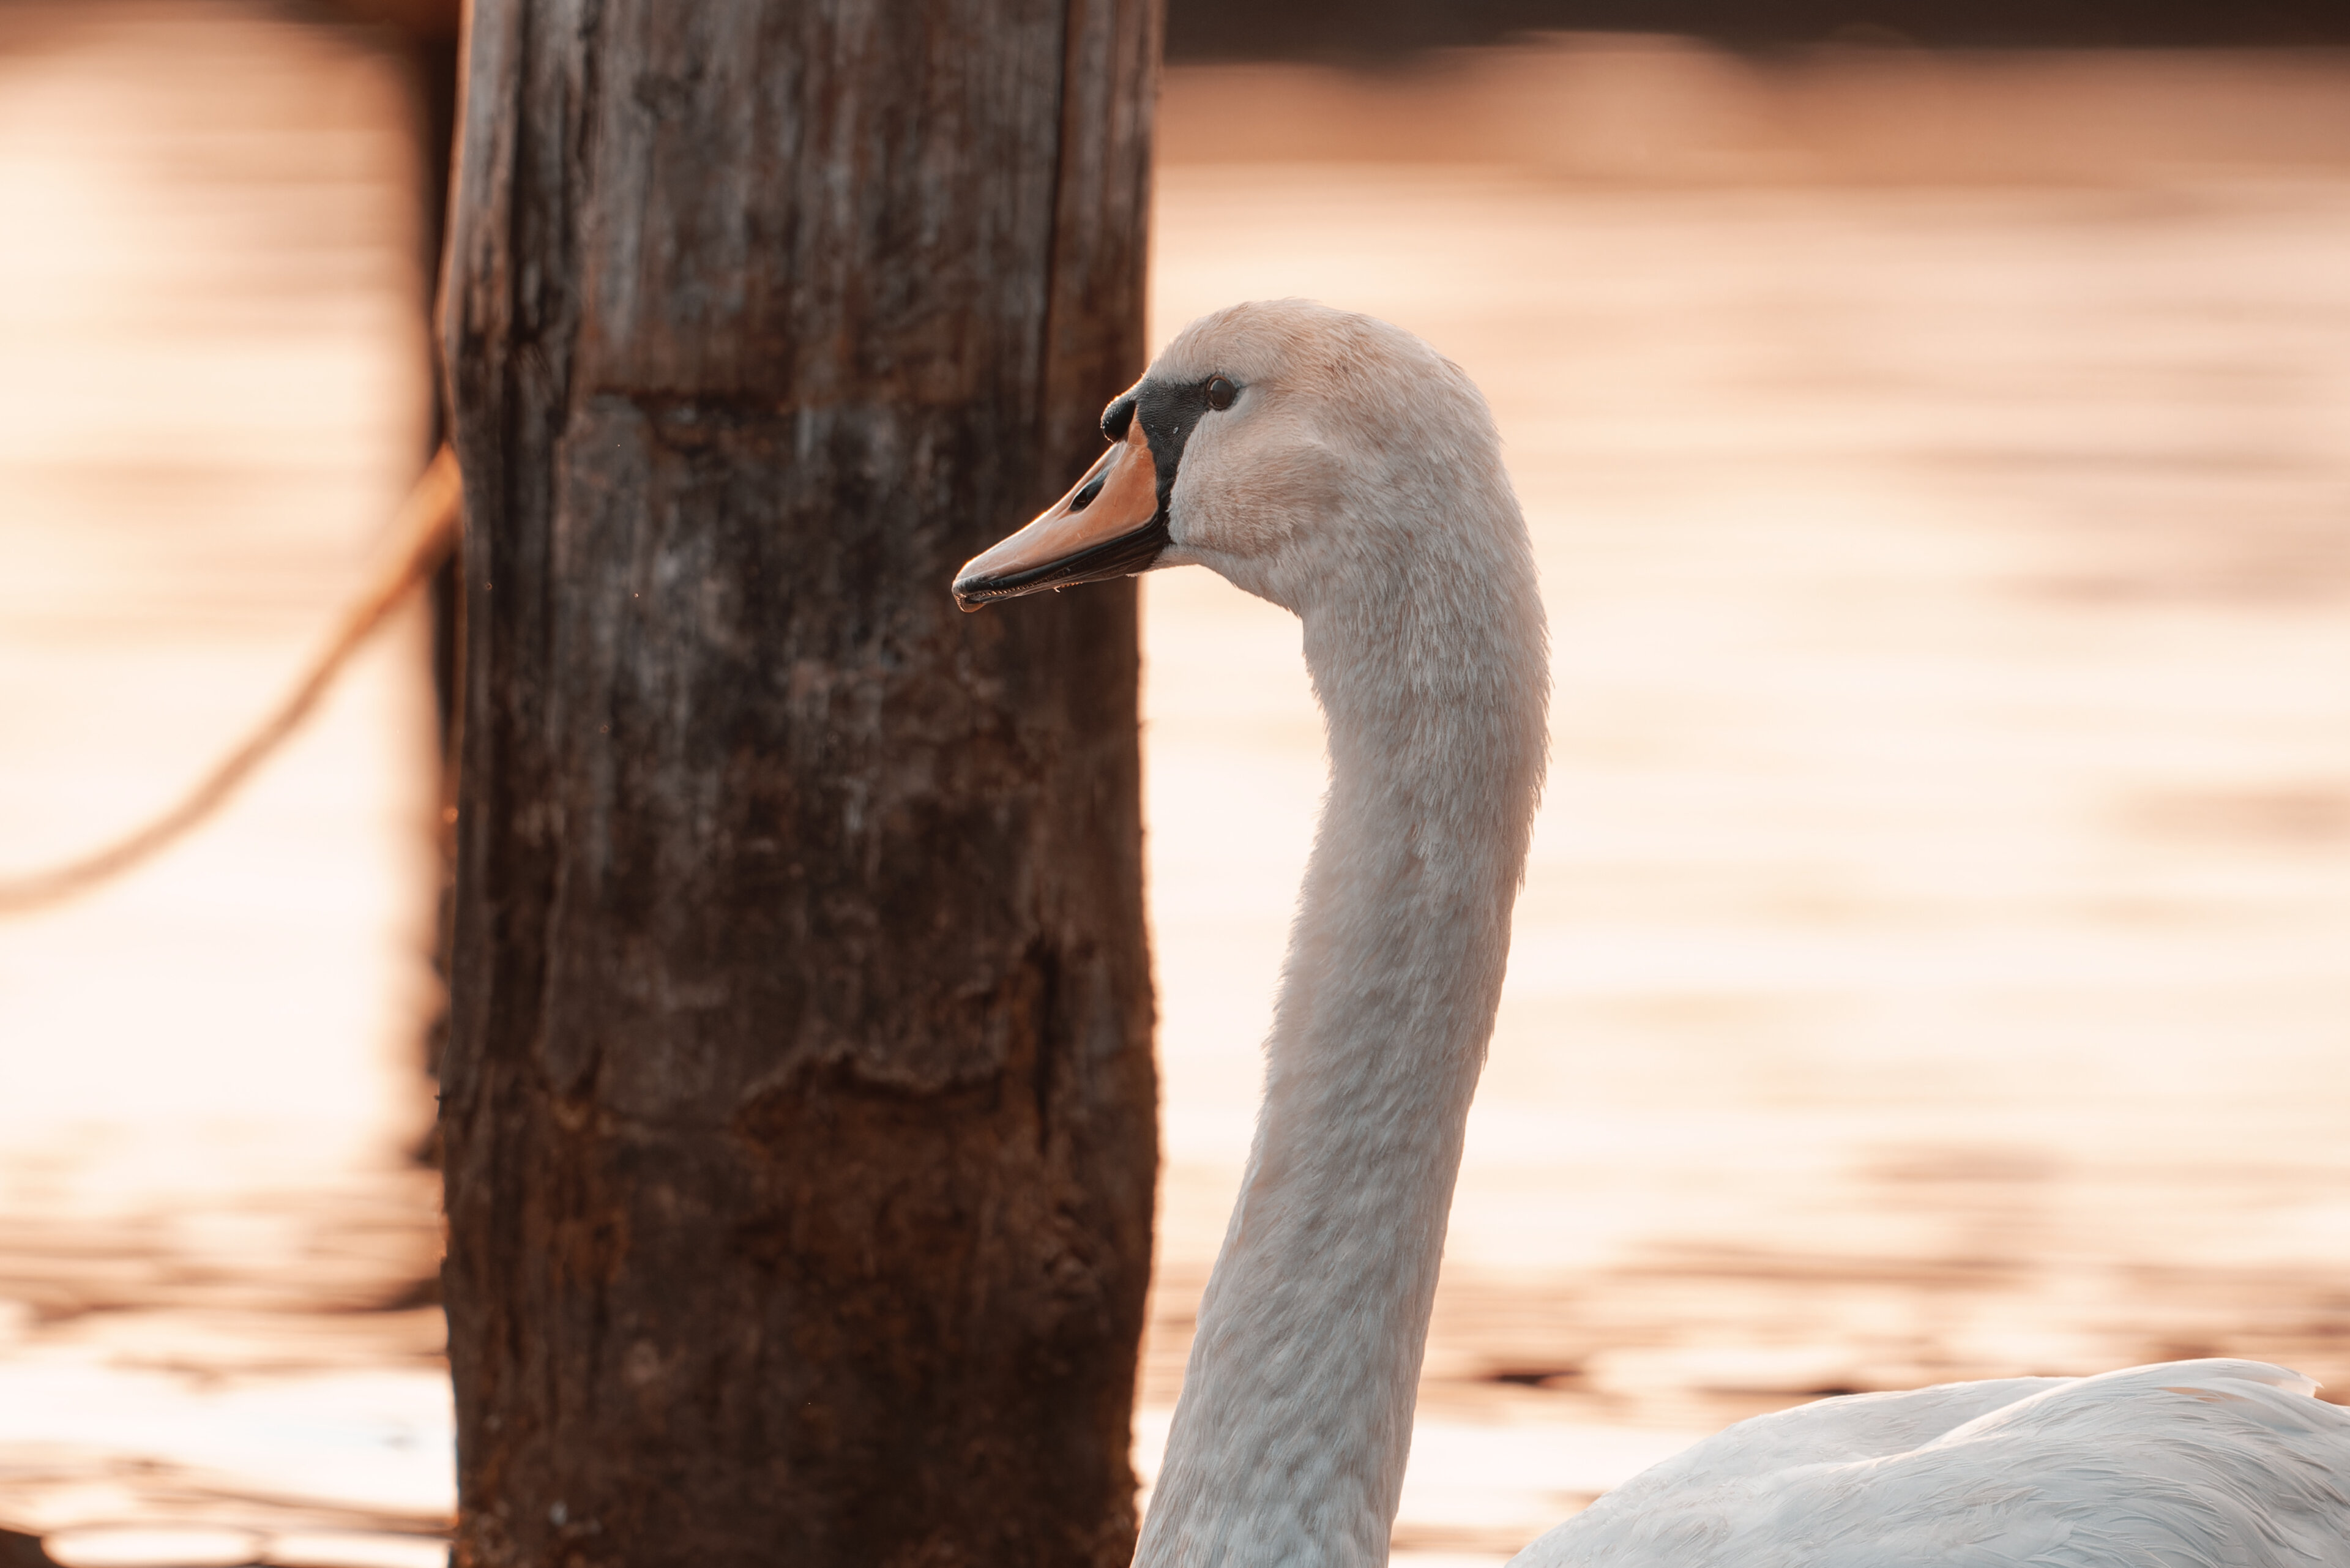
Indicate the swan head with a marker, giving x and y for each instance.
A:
(1295, 450)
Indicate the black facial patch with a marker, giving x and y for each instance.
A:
(1169, 411)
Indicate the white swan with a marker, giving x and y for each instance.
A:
(1339, 467)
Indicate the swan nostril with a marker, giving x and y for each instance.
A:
(1084, 496)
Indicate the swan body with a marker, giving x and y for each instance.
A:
(2187, 1464)
(1341, 468)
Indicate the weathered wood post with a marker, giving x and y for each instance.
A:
(799, 1106)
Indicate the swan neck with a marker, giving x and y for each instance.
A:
(1289, 1443)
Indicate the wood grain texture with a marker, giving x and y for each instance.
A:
(798, 1107)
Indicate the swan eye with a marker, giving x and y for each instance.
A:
(1220, 392)
(1085, 497)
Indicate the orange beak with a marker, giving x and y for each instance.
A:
(1109, 525)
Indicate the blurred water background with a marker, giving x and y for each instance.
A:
(1936, 962)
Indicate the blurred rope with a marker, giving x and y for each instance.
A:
(422, 535)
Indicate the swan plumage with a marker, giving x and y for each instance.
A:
(2185, 1464)
(1341, 468)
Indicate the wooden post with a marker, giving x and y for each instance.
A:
(799, 1106)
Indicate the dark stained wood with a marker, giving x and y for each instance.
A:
(798, 1105)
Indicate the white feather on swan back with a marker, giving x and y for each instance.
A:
(2187, 1464)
